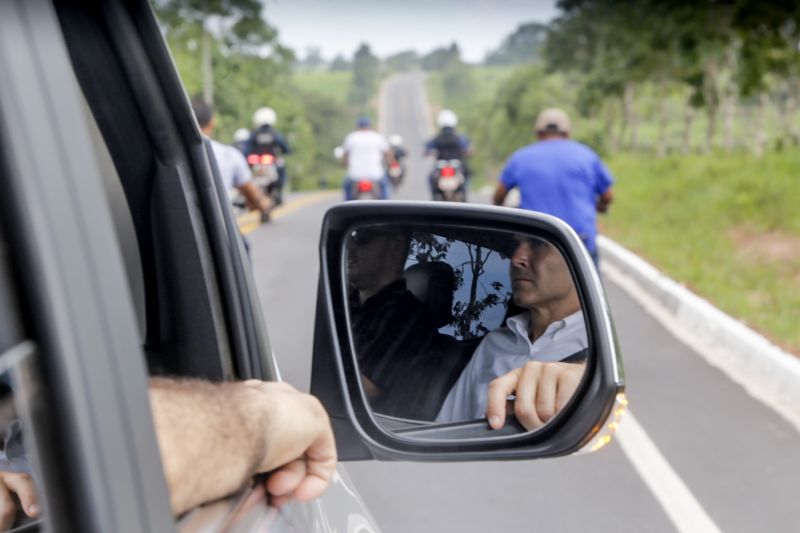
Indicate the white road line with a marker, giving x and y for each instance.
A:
(681, 506)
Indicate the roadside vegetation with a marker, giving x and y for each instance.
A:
(727, 225)
(334, 85)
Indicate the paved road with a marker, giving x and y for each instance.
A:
(734, 461)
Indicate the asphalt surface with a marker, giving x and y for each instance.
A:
(739, 459)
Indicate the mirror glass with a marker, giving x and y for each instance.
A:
(449, 322)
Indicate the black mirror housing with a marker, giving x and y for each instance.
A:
(336, 380)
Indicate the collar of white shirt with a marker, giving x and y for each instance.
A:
(566, 327)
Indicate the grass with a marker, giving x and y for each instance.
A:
(726, 225)
(334, 85)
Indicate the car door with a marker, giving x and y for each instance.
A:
(89, 434)
(128, 262)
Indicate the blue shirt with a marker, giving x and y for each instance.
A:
(563, 178)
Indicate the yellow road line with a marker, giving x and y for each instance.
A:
(251, 221)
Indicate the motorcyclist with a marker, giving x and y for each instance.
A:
(396, 143)
(448, 144)
(241, 140)
(366, 154)
(397, 169)
(232, 166)
(265, 139)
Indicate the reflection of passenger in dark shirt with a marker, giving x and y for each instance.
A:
(397, 350)
(396, 342)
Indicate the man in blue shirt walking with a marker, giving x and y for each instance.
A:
(559, 177)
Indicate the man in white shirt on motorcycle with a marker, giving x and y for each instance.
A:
(366, 156)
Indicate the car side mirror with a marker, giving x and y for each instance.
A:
(430, 316)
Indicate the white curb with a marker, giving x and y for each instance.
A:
(764, 370)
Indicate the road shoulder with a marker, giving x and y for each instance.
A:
(766, 372)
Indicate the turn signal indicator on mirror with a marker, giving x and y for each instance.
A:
(605, 434)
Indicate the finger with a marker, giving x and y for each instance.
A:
(525, 405)
(499, 389)
(310, 488)
(287, 478)
(8, 509)
(23, 486)
(320, 467)
(546, 392)
(567, 384)
(280, 501)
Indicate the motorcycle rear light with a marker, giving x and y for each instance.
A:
(364, 186)
(395, 164)
(448, 172)
(252, 159)
(266, 159)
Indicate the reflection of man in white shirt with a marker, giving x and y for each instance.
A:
(366, 154)
(551, 330)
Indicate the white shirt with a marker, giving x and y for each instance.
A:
(504, 350)
(233, 167)
(365, 149)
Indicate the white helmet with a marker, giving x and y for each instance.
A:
(241, 135)
(264, 116)
(447, 119)
(396, 140)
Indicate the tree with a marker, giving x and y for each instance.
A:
(770, 35)
(441, 58)
(339, 63)
(238, 22)
(365, 77)
(594, 38)
(521, 47)
(401, 61)
(469, 312)
(468, 315)
(689, 42)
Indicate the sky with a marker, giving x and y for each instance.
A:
(339, 26)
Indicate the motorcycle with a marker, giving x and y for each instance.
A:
(366, 189)
(265, 174)
(449, 181)
(396, 173)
